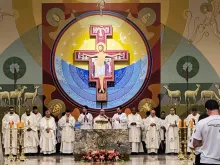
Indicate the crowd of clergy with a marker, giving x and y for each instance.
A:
(42, 134)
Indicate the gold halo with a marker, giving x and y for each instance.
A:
(101, 43)
(56, 11)
(145, 11)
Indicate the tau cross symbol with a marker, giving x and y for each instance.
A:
(101, 60)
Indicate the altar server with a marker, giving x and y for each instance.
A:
(10, 120)
(48, 134)
(31, 139)
(119, 120)
(172, 135)
(194, 117)
(135, 125)
(85, 119)
(102, 121)
(152, 127)
(162, 132)
(67, 124)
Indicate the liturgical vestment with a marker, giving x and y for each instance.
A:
(121, 123)
(6, 132)
(85, 120)
(31, 139)
(67, 125)
(172, 135)
(102, 122)
(135, 131)
(152, 139)
(48, 139)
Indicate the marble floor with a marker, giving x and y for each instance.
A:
(135, 160)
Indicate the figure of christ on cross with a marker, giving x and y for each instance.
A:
(102, 55)
(100, 64)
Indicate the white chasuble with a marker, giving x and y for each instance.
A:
(85, 120)
(6, 132)
(67, 125)
(48, 139)
(121, 123)
(102, 122)
(31, 139)
(152, 134)
(135, 130)
(172, 135)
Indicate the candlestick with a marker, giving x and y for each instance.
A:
(10, 123)
(180, 123)
(191, 124)
(22, 124)
(185, 142)
(10, 157)
(18, 141)
(180, 155)
(22, 157)
(191, 156)
(184, 124)
(18, 125)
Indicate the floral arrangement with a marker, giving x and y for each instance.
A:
(105, 156)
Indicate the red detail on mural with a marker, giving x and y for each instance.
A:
(96, 71)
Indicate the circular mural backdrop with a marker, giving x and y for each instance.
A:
(72, 77)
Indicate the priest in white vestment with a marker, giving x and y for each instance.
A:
(12, 118)
(102, 121)
(67, 124)
(85, 119)
(37, 116)
(152, 128)
(172, 135)
(31, 139)
(135, 125)
(48, 134)
(194, 117)
(119, 120)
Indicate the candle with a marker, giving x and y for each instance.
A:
(22, 124)
(10, 124)
(184, 124)
(191, 124)
(18, 124)
(180, 123)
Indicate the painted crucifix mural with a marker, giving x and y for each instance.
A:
(101, 60)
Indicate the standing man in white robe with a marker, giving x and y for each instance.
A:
(194, 116)
(85, 119)
(48, 134)
(135, 125)
(37, 116)
(31, 139)
(67, 124)
(152, 128)
(162, 132)
(102, 121)
(172, 135)
(13, 118)
(119, 120)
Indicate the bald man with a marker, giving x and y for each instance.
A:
(48, 134)
(102, 121)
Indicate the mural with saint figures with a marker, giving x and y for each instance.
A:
(185, 38)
